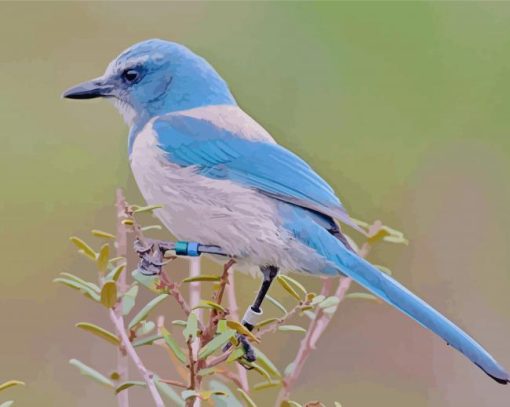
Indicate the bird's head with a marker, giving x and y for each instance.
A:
(155, 77)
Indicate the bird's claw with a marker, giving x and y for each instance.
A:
(151, 257)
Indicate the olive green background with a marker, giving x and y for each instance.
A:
(403, 107)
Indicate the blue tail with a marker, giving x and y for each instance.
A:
(385, 287)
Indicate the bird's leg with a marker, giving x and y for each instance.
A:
(151, 257)
(254, 312)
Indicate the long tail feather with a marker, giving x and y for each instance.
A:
(404, 300)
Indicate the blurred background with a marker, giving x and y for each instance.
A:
(402, 107)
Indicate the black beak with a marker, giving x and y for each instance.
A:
(95, 88)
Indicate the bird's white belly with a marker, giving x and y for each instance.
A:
(241, 220)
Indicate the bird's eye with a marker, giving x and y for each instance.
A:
(130, 75)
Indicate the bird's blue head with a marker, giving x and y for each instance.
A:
(155, 77)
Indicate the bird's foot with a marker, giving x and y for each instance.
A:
(151, 255)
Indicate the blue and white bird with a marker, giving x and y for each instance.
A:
(224, 181)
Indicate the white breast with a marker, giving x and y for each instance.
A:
(241, 220)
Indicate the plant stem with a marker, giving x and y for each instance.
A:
(121, 250)
(130, 350)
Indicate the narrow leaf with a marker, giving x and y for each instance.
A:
(266, 385)
(79, 280)
(169, 393)
(206, 395)
(191, 327)
(98, 331)
(148, 340)
(218, 342)
(238, 353)
(7, 403)
(241, 329)
(294, 282)
(127, 385)
(266, 363)
(129, 299)
(145, 328)
(173, 346)
(179, 322)
(11, 383)
(83, 247)
(265, 322)
(203, 277)
(100, 233)
(148, 208)
(291, 328)
(142, 314)
(109, 294)
(276, 304)
(103, 257)
(290, 403)
(116, 272)
(92, 373)
(210, 305)
(151, 227)
(246, 398)
(287, 287)
(87, 291)
(384, 269)
(329, 302)
(186, 394)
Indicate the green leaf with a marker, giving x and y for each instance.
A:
(384, 269)
(191, 327)
(79, 280)
(167, 392)
(246, 398)
(103, 257)
(241, 329)
(7, 403)
(287, 287)
(293, 282)
(148, 208)
(142, 314)
(266, 385)
(11, 383)
(145, 328)
(92, 373)
(318, 299)
(148, 340)
(100, 233)
(174, 347)
(127, 385)
(153, 283)
(116, 272)
(151, 227)
(266, 363)
(329, 302)
(236, 354)
(179, 322)
(289, 369)
(290, 403)
(266, 322)
(207, 394)
(255, 366)
(207, 371)
(276, 304)
(203, 277)
(83, 247)
(85, 290)
(209, 305)
(129, 299)
(215, 344)
(100, 332)
(219, 401)
(109, 294)
(337, 404)
(363, 296)
(291, 328)
(186, 394)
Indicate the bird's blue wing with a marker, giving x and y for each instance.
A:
(263, 165)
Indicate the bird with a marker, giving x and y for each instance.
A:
(223, 180)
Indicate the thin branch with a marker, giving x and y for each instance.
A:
(121, 250)
(190, 402)
(147, 376)
(234, 313)
(319, 324)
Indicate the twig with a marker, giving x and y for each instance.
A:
(319, 324)
(174, 383)
(147, 376)
(121, 250)
(190, 402)
(273, 326)
(234, 313)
